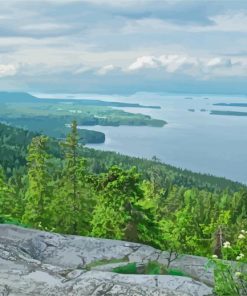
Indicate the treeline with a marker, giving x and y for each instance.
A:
(13, 152)
(60, 192)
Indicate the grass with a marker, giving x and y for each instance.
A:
(151, 268)
(176, 272)
(155, 268)
(9, 220)
(130, 268)
(105, 262)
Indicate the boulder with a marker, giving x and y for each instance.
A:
(34, 262)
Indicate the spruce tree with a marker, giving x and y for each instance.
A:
(39, 193)
(119, 213)
(72, 204)
(7, 197)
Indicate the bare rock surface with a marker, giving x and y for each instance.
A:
(34, 262)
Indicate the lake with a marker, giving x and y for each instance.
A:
(193, 140)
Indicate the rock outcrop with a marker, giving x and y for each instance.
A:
(34, 262)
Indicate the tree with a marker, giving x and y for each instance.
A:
(73, 196)
(7, 196)
(119, 213)
(39, 191)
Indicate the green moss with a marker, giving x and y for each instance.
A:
(151, 267)
(154, 267)
(130, 268)
(176, 272)
(105, 262)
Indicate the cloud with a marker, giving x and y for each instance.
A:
(135, 44)
(144, 62)
(45, 27)
(106, 69)
(192, 66)
(7, 70)
(219, 62)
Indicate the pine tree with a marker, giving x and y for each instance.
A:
(73, 197)
(39, 193)
(119, 213)
(7, 197)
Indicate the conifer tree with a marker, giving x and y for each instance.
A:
(7, 196)
(72, 205)
(119, 212)
(39, 193)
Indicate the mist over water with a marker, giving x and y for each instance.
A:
(192, 140)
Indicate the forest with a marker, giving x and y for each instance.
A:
(60, 186)
(39, 115)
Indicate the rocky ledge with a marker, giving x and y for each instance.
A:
(34, 262)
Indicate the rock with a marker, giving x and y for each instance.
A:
(194, 266)
(33, 262)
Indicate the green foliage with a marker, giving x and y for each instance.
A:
(231, 277)
(7, 219)
(175, 272)
(13, 152)
(40, 115)
(130, 268)
(119, 212)
(105, 262)
(73, 197)
(153, 267)
(39, 192)
(7, 201)
(71, 189)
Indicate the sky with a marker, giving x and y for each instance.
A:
(123, 46)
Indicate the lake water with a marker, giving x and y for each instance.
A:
(193, 140)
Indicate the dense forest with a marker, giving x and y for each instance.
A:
(13, 152)
(66, 188)
(39, 115)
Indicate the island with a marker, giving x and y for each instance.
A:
(231, 104)
(228, 113)
(53, 116)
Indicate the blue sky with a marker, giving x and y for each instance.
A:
(123, 46)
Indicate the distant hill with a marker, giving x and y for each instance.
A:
(17, 97)
(14, 97)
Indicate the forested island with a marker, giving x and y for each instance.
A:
(228, 113)
(52, 116)
(231, 104)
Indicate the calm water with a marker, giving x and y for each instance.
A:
(193, 140)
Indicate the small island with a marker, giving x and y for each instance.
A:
(228, 113)
(231, 104)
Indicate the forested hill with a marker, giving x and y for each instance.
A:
(13, 151)
(22, 97)
(15, 97)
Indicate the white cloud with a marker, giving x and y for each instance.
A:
(200, 67)
(7, 70)
(45, 27)
(219, 62)
(82, 69)
(231, 22)
(104, 70)
(170, 62)
(144, 62)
